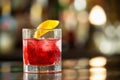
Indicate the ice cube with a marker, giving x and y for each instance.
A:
(46, 45)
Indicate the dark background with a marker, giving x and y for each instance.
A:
(78, 32)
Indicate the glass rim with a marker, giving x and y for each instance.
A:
(40, 29)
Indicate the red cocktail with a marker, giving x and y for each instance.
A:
(41, 52)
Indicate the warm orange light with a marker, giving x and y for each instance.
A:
(98, 62)
(97, 16)
(98, 73)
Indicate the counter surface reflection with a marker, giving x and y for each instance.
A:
(79, 69)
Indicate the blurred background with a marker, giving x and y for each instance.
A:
(90, 28)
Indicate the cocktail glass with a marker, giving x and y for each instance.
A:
(43, 54)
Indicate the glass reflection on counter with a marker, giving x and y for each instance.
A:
(76, 63)
(98, 73)
(32, 76)
(98, 70)
(10, 76)
(75, 74)
(83, 74)
(70, 74)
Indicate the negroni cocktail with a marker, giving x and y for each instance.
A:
(41, 52)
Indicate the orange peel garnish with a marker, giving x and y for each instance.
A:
(45, 27)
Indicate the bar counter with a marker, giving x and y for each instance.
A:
(72, 69)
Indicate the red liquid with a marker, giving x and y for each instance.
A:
(41, 52)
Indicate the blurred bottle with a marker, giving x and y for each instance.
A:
(68, 24)
(74, 19)
(8, 27)
(38, 11)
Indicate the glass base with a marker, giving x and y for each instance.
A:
(56, 76)
(42, 69)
